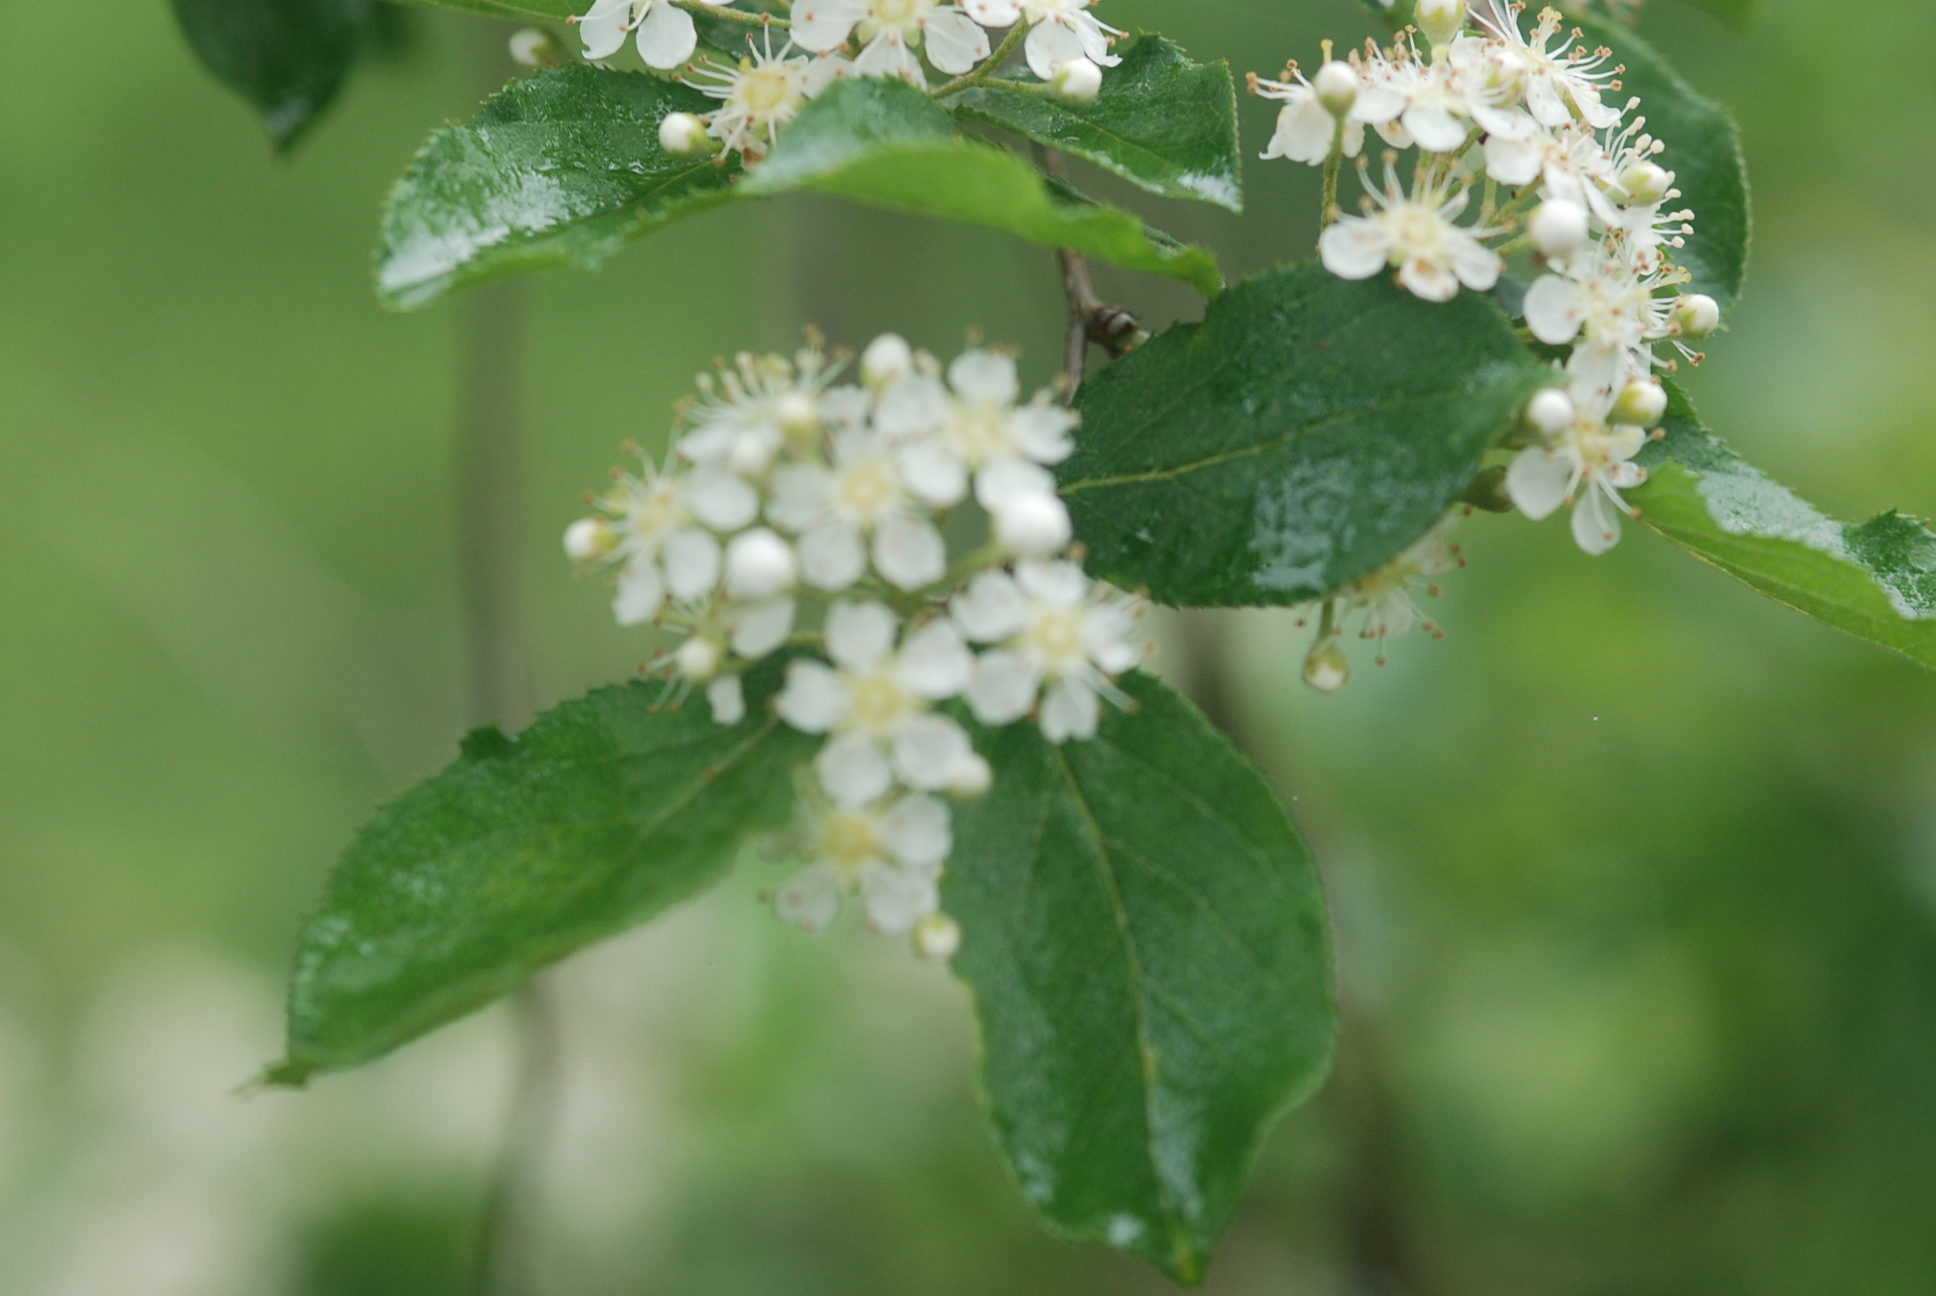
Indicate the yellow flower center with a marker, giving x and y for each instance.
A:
(847, 841)
(876, 702)
(896, 12)
(981, 430)
(765, 91)
(1056, 637)
(867, 488)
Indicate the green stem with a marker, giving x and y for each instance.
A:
(1329, 212)
(991, 65)
(731, 15)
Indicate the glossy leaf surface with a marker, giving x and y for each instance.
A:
(288, 58)
(1145, 936)
(1305, 433)
(604, 813)
(1161, 122)
(1874, 579)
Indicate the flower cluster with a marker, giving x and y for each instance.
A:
(1064, 44)
(796, 510)
(1583, 194)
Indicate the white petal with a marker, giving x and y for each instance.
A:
(934, 663)
(810, 900)
(823, 72)
(1050, 45)
(933, 472)
(763, 627)
(1070, 710)
(1042, 430)
(814, 699)
(930, 751)
(1538, 481)
(1436, 130)
(1596, 525)
(860, 635)
(800, 495)
(1058, 584)
(1095, 44)
(1108, 636)
(984, 375)
(727, 697)
(1477, 266)
(918, 831)
(821, 25)
(994, 13)
(1626, 476)
(910, 406)
(910, 553)
(896, 899)
(1428, 279)
(603, 28)
(1354, 248)
(641, 592)
(1512, 161)
(1004, 688)
(954, 43)
(1304, 132)
(1376, 104)
(854, 770)
(832, 556)
(887, 55)
(1001, 482)
(667, 36)
(722, 500)
(691, 563)
(991, 609)
(1554, 310)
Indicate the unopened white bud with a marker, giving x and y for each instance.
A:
(588, 539)
(1034, 526)
(1326, 669)
(533, 48)
(1550, 412)
(728, 700)
(1559, 227)
(1646, 183)
(1642, 403)
(1078, 81)
(937, 937)
(1697, 314)
(760, 565)
(797, 413)
(684, 135)
(887, 357)
(752, 454)
(698, 659)
(1440, 20)
(1337, 86)
(972, 779)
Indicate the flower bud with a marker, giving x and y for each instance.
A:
(684, 135)
(1488, 491)
(1642, 403)
(937, 937)
(1077, 81)
(1034, 526)
(760, 565)
(1697, 315)
(1337, 86)
(972, 779)
(728, 700)
(1559, 227)
(798, 414)
(1550, 412)
(887, 357)
(1327, 669)
(698, 659)
(533, 47)
(1440, 20)
(1646, 183)
(752, 454)
(588, 539)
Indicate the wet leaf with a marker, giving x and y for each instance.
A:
(286, 57)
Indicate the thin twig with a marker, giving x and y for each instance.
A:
(990, 65)
(1090, 320)
(731, 15)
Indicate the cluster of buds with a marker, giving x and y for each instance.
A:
(795, 511)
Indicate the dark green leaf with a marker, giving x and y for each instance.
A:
(604, 813)
(1874, 579)
(1300, 437)
(1161, 122)
(286, 57)
(1145, 936)
(565, 167)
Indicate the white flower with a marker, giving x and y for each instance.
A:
(727, 699)
(1305, 127)
(749, 413)
(1587, 455)
(1385, 596)
(834, 510)
(758, 628)
(889, 32)
(1417, 235)
(1436, 104)
(1560, 85)
(666, 35)
(893, 856)
(658, 533)
(1053, 627)
(977, 428)
(1601, 297)
(761, 95)
(1061, 30)
(877, 705)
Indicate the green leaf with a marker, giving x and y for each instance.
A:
(1735, 13)
(1874, 579)
(1145, 935)
(1161, 122)
(565, 167)
(1703, 151)
(607, 811)
(1305, 433)
(515, 8)
(286, 57)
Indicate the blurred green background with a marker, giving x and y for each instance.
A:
(1634, 874)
